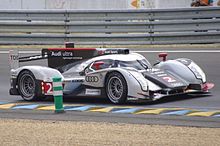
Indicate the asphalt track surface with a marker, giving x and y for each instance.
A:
(206, 58)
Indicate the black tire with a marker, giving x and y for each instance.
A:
(27, 85)
(116, 88)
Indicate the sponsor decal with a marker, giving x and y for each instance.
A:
(93, 92)
(176, 84)
(92, 79)
(169, 79)
(14, 57)
(77, 80)
(157, 72)
(35, 57)
(65, 55)
(62, 53)
(56, 53)
(185, 61)
(76, 58)
(162, 75)
(111, 52)
(154, 70)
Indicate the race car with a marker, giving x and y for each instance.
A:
(115, 73)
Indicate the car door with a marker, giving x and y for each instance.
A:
(96, 71)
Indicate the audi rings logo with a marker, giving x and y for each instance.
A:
(92, 79)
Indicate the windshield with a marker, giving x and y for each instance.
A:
(137, 64)
(74, 67)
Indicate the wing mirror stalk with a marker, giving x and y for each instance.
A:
(163, 56)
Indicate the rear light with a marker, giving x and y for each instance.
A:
(42, 87)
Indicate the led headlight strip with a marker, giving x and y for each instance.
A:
(197, 71)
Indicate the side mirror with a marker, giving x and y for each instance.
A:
(163, 56)
(96, 65)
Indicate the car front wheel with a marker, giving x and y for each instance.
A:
(116, 88)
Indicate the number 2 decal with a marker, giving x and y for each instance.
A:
(48, 87)
(169, 79)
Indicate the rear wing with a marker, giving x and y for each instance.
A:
(58, 57)
(15, 59)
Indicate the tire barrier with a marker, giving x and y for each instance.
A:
(110, 27)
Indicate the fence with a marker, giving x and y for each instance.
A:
(111, 27)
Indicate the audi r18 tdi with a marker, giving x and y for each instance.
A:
(116, 74)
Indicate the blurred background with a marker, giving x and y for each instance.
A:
(93, 4)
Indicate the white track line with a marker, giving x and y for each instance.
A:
(138, 51)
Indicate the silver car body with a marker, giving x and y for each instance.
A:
(141, 84)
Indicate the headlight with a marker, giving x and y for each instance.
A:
(142, 81)
(197, 71)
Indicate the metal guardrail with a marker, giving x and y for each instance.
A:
(111, 27)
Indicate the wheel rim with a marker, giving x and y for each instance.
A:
(27, 86)
(115, 88)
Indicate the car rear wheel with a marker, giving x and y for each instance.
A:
(27, 85)
(116, 88)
